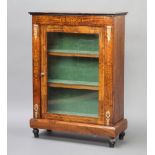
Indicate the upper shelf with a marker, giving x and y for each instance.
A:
(76, 13)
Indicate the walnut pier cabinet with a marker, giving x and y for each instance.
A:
(78, 73)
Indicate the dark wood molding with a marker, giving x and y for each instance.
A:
(77, 14)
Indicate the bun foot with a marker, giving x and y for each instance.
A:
(36, 133)
(121, 135)
(112, 143)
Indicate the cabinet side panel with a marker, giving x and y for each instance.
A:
(36, 69)
(118, 68)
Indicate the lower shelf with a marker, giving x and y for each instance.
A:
(81, 128)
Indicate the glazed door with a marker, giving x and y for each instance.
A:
(72, 81)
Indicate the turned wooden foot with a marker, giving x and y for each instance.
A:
(121, 135)
(112, 142)
(36, 133)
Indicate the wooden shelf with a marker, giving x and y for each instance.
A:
(73, 84)
(73, 54)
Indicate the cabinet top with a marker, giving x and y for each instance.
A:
(78, 14)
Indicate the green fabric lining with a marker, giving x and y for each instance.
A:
(73, 102)
(72, 43)
(73, 69)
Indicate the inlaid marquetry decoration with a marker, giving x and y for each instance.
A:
(107, 115)
(108, 33)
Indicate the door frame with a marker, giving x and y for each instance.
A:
(44, 82)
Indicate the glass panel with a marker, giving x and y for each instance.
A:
(66, 71)
(72, 43)
(73, 70)
(73, 102)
